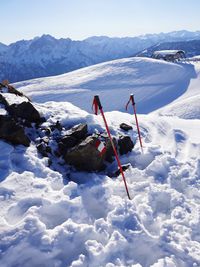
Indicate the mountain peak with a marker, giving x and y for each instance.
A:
(46, 55)
(47, 37)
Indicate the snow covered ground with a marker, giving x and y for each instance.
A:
(154, 83)
(54, 219)
(187, 105)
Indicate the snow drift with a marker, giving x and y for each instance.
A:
(154, 83)
(187, 105)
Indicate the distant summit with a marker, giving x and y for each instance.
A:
(47, 56)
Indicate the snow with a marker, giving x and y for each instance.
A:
(70, 218)
(187, 105)
(46, 56)
(2, 111)
(116, 80)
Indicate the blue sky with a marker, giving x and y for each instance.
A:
(79, 19)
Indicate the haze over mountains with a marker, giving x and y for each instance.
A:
(47, 56)
(192, 48)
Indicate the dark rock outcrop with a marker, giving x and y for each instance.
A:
(74, 136)
(109, 150)
(10, 89)
(66, 143)
(56, 126)
(125, 144)
(26, 111)
(85, 156)
(79, 131)
(125, 127)
(3, 101)
(12, 132)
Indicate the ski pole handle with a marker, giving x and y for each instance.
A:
(132, 99)
(98, 102)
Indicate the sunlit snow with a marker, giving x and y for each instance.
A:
(55, 219)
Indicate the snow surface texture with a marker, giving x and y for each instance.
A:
(187, 106)
(155, 84)
(51, 218)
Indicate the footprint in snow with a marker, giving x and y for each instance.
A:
(6, 193)
(179, 136)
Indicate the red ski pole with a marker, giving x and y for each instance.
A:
(97, 104)
(131, 99)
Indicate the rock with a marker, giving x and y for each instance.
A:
(66, 143)
(109, 150)
(57, 126)
(85, 156)
(69, 141)
(48, 149)
(117, 173)
(44, 149)
(125, 127)
(38, 123)
(12, 132)
(79, 131)
(45, 139)
(3, 101)
(125, 144)
(47, 131)
(25, 110)
(73, 138)
(11, 89)
(61, 151)
(26, 123)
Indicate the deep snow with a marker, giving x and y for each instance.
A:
(187, 105)
(54, 219)
(154, 83)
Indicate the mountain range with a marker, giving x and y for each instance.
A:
(47, 56)
(192, 48)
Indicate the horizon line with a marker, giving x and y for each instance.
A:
(98, 36)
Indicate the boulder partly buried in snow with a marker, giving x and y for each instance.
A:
(125, 144)
(109, 149)
(126, 127)
(66, 143)
(86, 156)
(26, 111)
(12, 132)
(79, 131)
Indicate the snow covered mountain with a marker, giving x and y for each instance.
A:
(47, 56)
(49, 217)
(191, 48)
(3, 47)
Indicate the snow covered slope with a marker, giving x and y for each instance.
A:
(154, 83)
(187, 105)
(49, 217)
